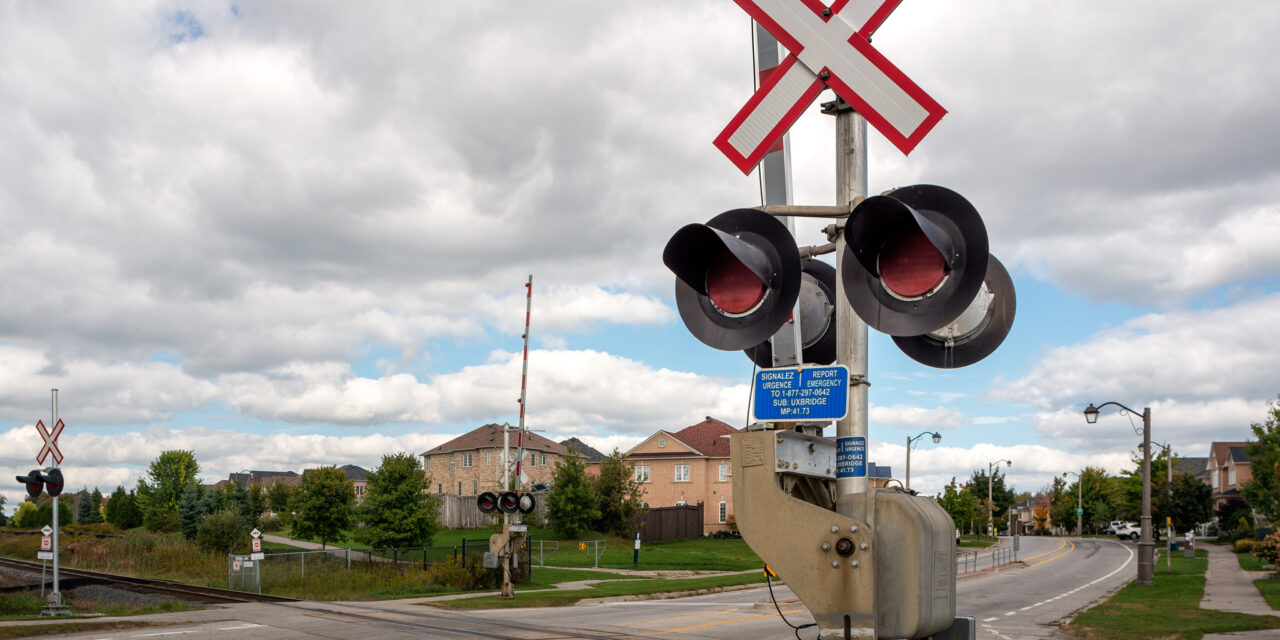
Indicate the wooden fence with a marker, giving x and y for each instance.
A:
(671, 523)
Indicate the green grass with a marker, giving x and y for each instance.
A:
(1270, 590)
(603, 590)
(1249, 562)
(981, 542)
(26, 605)
(1168, 609)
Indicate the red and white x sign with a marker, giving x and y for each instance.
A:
(829, 47)
(50, 442)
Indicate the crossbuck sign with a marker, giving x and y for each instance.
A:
(830, 47)
(50, 442)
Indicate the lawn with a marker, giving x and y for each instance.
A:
(561, 598)
(1168, 609)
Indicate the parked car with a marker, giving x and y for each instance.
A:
(1133, 531)
(1113, 527)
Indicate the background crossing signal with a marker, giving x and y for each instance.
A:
(506, 502)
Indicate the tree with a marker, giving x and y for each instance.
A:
(1191, 502)
(1263, 491)
(95, 499)
(397, 510)
(2, 518)
(255, 504)
(1001, 497)
(280, 498)
(43, 514)
(24, 515)
(170, 473)
(619, 496)
(223, 532)
(189, 512)
(962, 505)
(571, 508)
(84, 509)
(326, 503)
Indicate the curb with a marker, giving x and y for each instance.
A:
(667, 595)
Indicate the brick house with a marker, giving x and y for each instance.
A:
(357, 476)
(470, 463)
(1229, 469)
(687, 467)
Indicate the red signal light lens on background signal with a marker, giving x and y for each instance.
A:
(911, 267)
(732, 287)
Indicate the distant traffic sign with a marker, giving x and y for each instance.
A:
(808, 393)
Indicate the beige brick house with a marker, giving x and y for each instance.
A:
(470, 463)
(687, 467)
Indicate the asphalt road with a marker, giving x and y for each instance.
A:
(1058, 577)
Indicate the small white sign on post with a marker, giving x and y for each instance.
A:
(44, 555)
(46, 543)
(47, 530)
(235, 565)
(255, 533)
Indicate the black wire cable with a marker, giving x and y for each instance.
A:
(769, 581)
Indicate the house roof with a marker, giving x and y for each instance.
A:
(354, 473)
(1221, 452)
(1193, 466)
(876, 471)
(1239, 456)
(490, 436)
(585, 450)
(706, 437)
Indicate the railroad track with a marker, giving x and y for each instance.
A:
(191, 593)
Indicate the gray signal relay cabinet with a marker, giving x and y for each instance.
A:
(878, 563)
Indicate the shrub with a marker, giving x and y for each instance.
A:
(1244, 546)
(1268, 549)
(223, 532)
(450, 572)
(270, 523)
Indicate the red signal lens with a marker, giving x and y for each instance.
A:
(910, 266)
(732, 287)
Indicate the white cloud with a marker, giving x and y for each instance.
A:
(918, 417)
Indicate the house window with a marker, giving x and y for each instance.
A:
(359, 491)
(440, 488)
(488, 457)
(724, 475)
(724, 510)
(466, 460)
(1231, 476)
(682, 473)
(642, 473)
(452, 463)
(428, 464)
(544, 459)
(475, 487)
(459, 488)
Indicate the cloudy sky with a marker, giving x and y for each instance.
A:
(292, 234)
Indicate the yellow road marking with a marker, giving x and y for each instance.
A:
(1064, 553)
(1054, 550)
(712, 624)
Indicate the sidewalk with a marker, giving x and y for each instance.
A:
(1227, 587)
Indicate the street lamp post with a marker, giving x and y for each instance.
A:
(937, 437)
(1079, 500)
(1146, 548)
(990, 467)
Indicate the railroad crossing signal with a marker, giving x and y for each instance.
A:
(507, 502)
(36, 482)
(50, 442)
(915, 267)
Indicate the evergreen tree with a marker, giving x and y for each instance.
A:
(95, 513)
(397, 510)
(84, 510)
(169, 474)
(572, 507)
(619, 495)
(326, 503)
(189, 512)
